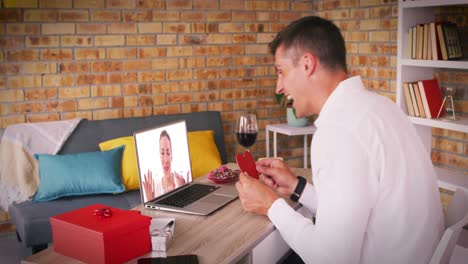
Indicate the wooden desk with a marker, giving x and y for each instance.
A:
(230, 235)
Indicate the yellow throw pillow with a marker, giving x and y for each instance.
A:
(204, 154)
(129, 160)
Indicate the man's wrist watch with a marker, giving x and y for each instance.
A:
(299, 189)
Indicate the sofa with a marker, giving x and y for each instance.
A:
(32, 218)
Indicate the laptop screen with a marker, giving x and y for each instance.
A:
(163, 159)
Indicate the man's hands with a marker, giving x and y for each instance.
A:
(255, 195)
(276, 174)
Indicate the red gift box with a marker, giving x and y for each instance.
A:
(93, 237)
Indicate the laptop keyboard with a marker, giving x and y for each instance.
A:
(188, 195)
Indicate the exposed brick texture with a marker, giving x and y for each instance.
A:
(105, 59)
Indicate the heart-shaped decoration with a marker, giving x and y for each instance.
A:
(247, 163)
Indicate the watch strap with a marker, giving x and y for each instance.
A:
(299, 189)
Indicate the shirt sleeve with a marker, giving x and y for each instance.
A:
(309, 198)
(343, 200)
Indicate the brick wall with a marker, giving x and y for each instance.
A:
(101, 59)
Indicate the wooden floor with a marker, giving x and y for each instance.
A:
(7, 228)
(3, 216)
(5, 225)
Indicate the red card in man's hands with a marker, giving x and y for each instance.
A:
(247, 164)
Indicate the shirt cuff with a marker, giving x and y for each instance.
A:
(280, 213)
(309, 198)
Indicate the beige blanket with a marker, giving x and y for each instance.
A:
(18, 168)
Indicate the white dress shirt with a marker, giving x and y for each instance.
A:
(375, 193)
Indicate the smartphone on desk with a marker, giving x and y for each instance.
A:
(179, 259)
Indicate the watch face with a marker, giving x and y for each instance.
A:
(294, 197)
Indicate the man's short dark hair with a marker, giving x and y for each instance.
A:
(316, 35)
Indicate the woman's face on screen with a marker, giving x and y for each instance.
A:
(165, 153)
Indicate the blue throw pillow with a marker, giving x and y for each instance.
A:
(79, 174)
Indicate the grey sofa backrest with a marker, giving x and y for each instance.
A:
(89, 133)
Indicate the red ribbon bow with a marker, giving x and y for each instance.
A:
(103, 212)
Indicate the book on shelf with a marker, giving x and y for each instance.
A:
(413, 99)
(409, 45)
(420, 41)
(425, 30)
(424, 101)
(452, 40)
(423, 98)
(429, 42)
(409, 103)
(443, 49)
(414, 41)
(431, 96)
(434, 41)
(417, 93)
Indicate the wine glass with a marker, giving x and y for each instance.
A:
(247, 129)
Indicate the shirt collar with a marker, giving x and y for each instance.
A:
(352, 83)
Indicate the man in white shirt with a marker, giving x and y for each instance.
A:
(375, 194)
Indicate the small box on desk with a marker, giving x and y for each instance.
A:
(94, 238)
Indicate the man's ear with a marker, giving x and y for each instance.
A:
(309, 63)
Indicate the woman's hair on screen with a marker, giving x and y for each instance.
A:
(165, 134)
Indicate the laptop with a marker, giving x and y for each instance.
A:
(165, 173)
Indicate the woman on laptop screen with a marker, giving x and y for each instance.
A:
(155, 186)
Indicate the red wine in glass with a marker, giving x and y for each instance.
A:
(247, 138)
(247, 129)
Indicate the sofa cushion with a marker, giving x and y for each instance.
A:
(204, 155)
(129, 160)
(79, 174)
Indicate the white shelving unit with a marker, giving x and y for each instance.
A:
(411, 13)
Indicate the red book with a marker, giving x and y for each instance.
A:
(431, 96)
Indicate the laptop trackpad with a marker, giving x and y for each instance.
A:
(216, 199)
